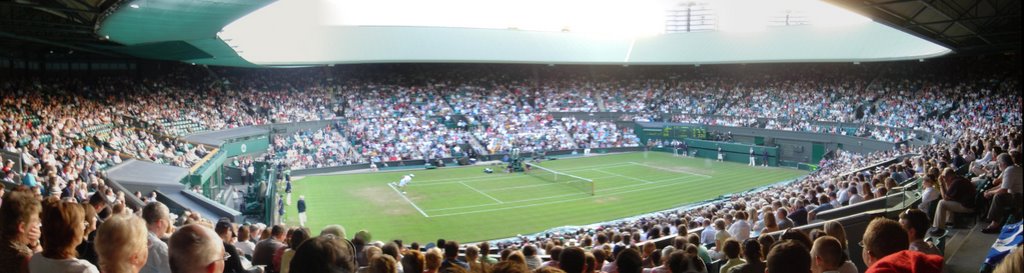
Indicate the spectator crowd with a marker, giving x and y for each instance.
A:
(63, 217)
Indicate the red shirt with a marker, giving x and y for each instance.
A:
(907, 261)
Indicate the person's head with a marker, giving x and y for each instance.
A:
(529, 250)
(648, 248)
(1005, 160)
(720, 224)
(63, 229)
(472, 253)
(413, 261)
(516, 257)
(157, 216)
(590, 263)
(122, 244)
(451, 250)
(225, 230)
(19, 217)
(335, 230)
(731, 248)
(510, 267)
(681, 262)
(299, 236)
(543, 269)
(769, 221)
(572, 260)
(391, 249)
(90, 218)
(323, 254)
(278, 232)
(485, 248)
(915, 222)
(766, 241)
(370, 252)
(195, 248)
(781, 214)
(883, 237)
(788, 257)
(797, 235)
(629, 261)
(98, 201)
(600, 255)
(752, 250)
(827, 254)
(433, 259)
(836, 230)
(382, 264)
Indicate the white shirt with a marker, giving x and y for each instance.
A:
(740, 230)
(927, 197)
(844, 195)
(38, 263)
(707, 236)
(246, 247)
(856, 198)
(158, 261)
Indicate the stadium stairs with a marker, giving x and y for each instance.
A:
(965, 250)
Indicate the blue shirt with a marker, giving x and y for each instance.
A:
(29, 180)
(301, 205)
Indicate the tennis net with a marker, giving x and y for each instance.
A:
(580, 183)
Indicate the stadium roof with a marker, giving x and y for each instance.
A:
(203, 32)
(964, 25)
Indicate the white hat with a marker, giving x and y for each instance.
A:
(412, 175)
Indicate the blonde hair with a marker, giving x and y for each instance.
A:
(834, 229)
(63, 229)
(433, 259)
(382, 264)
(118, 239)
(1013, 262)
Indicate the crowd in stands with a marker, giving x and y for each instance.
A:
(64, 218)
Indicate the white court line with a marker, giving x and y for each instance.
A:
(624, 176)
(407, 200)
(670, 170)
(565, 195)
(500, 176)
(541, 185)
(485, 194)
(554, 202)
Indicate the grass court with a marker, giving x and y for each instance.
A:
(468, 205)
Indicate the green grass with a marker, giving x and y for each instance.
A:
(468, 205)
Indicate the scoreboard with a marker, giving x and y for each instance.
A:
(675, 132)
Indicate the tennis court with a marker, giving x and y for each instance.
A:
(467, 204)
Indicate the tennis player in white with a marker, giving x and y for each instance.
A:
(405, 182)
